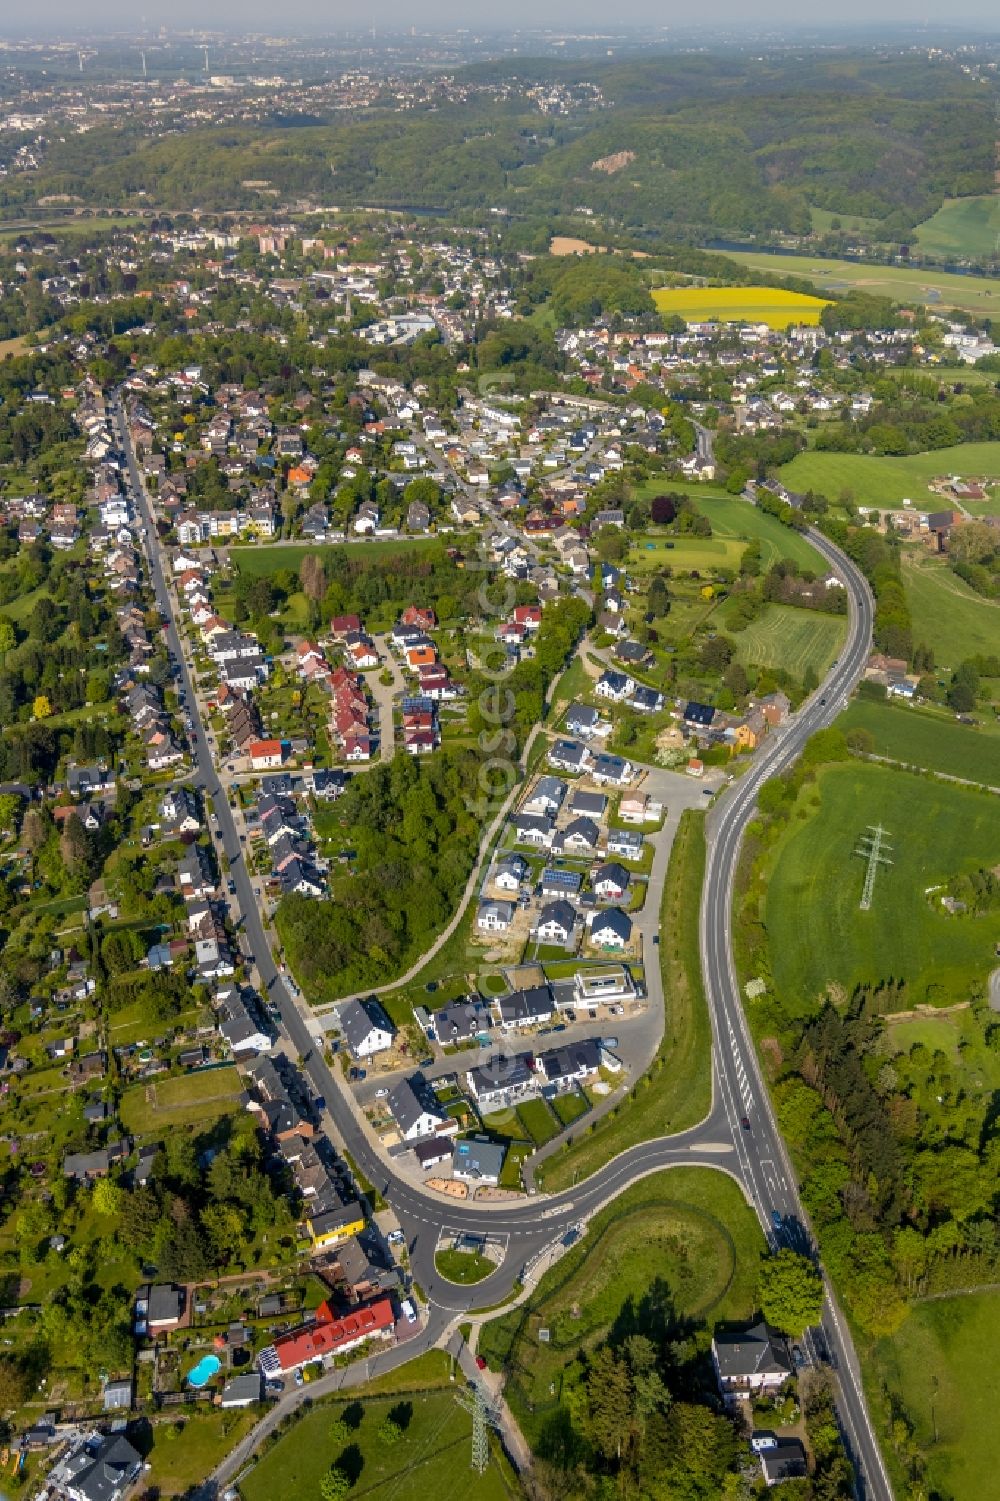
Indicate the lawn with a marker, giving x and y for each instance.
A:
(676, 1092)
(195, 1099)
(680, 1245)
(931, 738)
(966, 228)
(939, 1368)
(189, 1447)
(771, 305)
(464, 1267)
(783, 636)
(570, 1107)
(538, 1121)
(940, 289)
(886, 481)
(947, 615)
(431, 1459)
(818, 934)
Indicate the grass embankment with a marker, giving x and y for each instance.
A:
(430, 1459)
(817, 934)
(676, 1092)
(267, 560)
(680, 1246)
(930, 738)
(940, 1367)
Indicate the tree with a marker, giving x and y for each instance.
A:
(335, 1483)
(41, 708)
(663, 509)
(610, 1403)
(10, 805)
(790, 1292)
(107, 1197)
(8, 636)
(390, 1432)
(13, 1383)
(74, 846)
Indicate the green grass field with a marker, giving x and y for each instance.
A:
(939, 1366)
(689, 1230)
(734, 524)
(195, 1099)
(538, 1121)
(947, 615)
(267, 560)
(783, 636)
(931, 738)
(817, 933)
(431, 1459)
(966, 228)
(976, 294)
(464, 1267)
(876, 481)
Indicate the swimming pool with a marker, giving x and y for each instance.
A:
(203, 1372)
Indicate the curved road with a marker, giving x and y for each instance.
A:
(755, 1158)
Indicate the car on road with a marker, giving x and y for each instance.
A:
(745, 1123)
(609, 1042)
(776, 1220)
(656, 937)
(425, 1062)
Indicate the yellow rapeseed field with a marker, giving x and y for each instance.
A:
(771, 305)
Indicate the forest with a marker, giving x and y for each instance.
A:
(713, 145)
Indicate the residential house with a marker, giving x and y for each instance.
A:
(366, 1028)
(524, 1008)
(611, 929)
(413, 1106)
(495, 916)
(510, 872)
(611, 881)
(475, 1159)
(751, 1360)
(556, 922)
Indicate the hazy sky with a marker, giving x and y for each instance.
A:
(336, 15)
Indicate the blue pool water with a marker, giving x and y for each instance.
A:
(204, 1370)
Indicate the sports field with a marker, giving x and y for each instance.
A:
(931, 738)
(889, 481)
(688, 1230)
(816, 931)
(940, 1367)
(783, 636)
(976, 294)
(948, 615)
(962, 227)
(771, 305)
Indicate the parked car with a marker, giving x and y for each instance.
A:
(380, 1094)
(408, 1311)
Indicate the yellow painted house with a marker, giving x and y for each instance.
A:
(334, 1226)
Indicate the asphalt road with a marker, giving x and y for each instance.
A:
(755, 1158)
(763, 1164)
